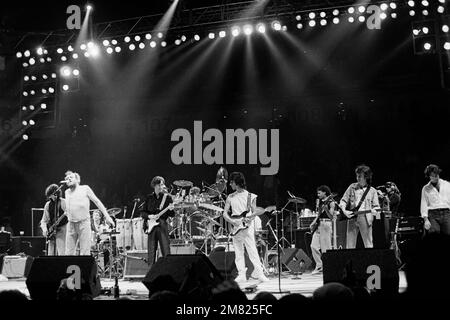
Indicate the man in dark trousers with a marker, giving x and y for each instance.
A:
(156, 227)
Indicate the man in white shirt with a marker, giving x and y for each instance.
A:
(78, 199)
(239, 201)
(435, 202)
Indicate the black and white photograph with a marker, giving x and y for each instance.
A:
(226, 157)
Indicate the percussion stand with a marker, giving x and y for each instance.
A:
(283, 239)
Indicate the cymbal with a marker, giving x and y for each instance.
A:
(213, 221)
(114, 211)
(298, 200)
(183, 184)
(210, 206)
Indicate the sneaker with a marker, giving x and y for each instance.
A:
(241, 278)
(317, 271)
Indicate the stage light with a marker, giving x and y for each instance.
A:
(383, 15)
(33, 78)
(177, 42)
(44, 91)
(276, 25)
(114, 42)
(299, 26)
(236, 30)
(88, 7)
(442, 1)
(152, 44)
(25, 94)
(19, 54)
(27, 53)
(323, 22)
(51, 90)
(384, 6)
(183, 38)
(197, 37)
(32, 123)
(445, 28)
(31, 107)
(336, 20)
(25, 64)
(427, 46)
(44, 76)
(105, 43)
(351, 19)
(335, 12)
(411, 3)
(90, 44)
(393, 15)
(26, 78)
(311, 15)
(284, 28)
(440, 9)
(76, 72)
(261, 27)
(211, 35)
(412, 13)
(42, 60)
(65, 71)
(222, 34)
(75, 56)
(94, 51)
(127, 39)
(148, 36)
(24, 123)
(25, 137)
(141, 45)
(110, 50)
(86, 54)
(416, 32)
(312, 23)
(70, 48)
(361, 9)
(118, 49)
(137, 38)
(59, 50)
(425, 30)
(447, 46)
(160, 35)
(32, 92)
(54, 75)
(425, 12)
(248, 29)
(83, 46)
(425, 3)
(63, 58)
(163, 44)
(45, 51)
(32, 61)
(24, 108)
(323, 14)
(65, 87)
(132, 47)
(393, 5)
(49, 59)
(40, 51)
(43, 106)
(351, 10)
(298, 17)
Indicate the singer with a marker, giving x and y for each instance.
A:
(77, 209)
(155, 203)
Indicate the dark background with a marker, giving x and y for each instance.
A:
(341, 96)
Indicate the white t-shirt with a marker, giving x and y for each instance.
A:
(238, 201)
(78, 203)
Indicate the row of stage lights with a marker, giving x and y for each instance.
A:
(425, 7)
(425, 31)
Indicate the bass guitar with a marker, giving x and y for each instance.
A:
(350, 214)
(51, 233)
(244, 221)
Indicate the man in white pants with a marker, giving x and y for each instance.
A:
(78, 199)
(239, 201)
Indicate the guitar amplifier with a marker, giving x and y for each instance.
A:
(410, 225)
(135, 264)
(16, 266)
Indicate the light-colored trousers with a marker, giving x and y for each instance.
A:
(321, 241)
(359, 224)
(78, 231)
(246, 239)
(60, 241)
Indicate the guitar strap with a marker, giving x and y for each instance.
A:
(362, 198)
(163, 201)
(249, 201)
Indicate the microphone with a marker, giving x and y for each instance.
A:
(63, 181)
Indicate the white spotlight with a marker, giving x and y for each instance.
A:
(127, 39)
(425, 30)
(90, 45)
(425, 12)
(32, 123)
(105, 43)
(42, 60)
(383, 15)
(163, 44)
(76, 72)
(445, 28)
(148, 36)
(323, 14)
(362, 18)
(75, 56)
(411, 3)
(197, 37)
(94, 51)
(32, 92)
(425, 3)
(323, 22)
(336, 20)
(351, 19)
(412, 13)
(416, 32)
(53, 75)
(248, 29)
(86, 54)
(66, 71)
(177, 42)
(393, 15)
(43, 106)
(31, 108)
(351, 10)
(49, 59)
(261, 27)
(51, 90)
(25, 64)
(222, 34)
(132, 47)
(114, 42)
(70, 48)
(44, 91)
(25, 94)
(25, 137)
(276, 25)
(160, 35)
(311, 15)
(440, 9)
(63, 58)
(152, 44)
(110, 50)
(183, 38)
(65, 87)
(447, 46)
(335, 12)
(137, 38)
(24, 108)
(141, 45)
(427, 46)
(24, 123)
(33, 78)
(393, 5)
(88, 7)
(32, 61)
(83, 46)
(44, 76)
(211, 35)
(236, 30)
(26, 78)
(40, 51)
(19, 54)
(299, 26)
(361, 9)
(384, 6)
(118, 49)
(312, 23)
(27, 53)
(298, 17)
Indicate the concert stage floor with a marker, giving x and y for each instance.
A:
(135, 290)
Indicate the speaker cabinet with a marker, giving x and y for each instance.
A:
(224, 262)
(354, 267)
(47, 272)
(31, 246)
(193, 276)
(136, 265)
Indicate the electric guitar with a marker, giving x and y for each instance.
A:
(350, 214)
(315, 223)
(244, 221)
(51, 233)
(153, 220)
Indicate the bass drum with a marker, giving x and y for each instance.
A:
(139, 237)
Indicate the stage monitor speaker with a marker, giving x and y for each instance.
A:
(136, 265)
(224, 262)
(31, 246)
(47, 272)
(362, 267)
(16, 266)
(300, 262)
(182, 249)
(193, 276)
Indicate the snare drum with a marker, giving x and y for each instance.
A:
(124, 227)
